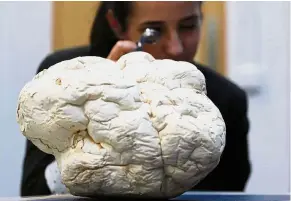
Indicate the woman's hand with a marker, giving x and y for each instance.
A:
(121, 48)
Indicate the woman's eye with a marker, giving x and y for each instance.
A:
(189, 26)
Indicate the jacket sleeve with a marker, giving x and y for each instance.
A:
(236, 164)
(233, 171)
(33, 180)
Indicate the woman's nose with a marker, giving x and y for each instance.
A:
(173, 45)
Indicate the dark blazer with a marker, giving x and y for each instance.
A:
(231, 174)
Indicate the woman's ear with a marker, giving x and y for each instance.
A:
(114, 24)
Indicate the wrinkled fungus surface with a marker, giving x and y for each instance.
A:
(138, 126)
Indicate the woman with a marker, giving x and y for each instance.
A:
(116, 28)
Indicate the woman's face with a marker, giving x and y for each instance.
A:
(178, 22)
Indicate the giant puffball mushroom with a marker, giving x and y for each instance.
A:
(135, 127)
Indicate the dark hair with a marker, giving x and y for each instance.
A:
(102, 38)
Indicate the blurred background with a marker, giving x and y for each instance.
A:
(247, 42)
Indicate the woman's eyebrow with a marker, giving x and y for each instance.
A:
(159, 23)
(191, 17)
(152, 23)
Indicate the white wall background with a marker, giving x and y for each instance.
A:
(262, 41)
(258, 36)
(24, 40)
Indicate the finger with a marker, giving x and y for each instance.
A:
(121, 48)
